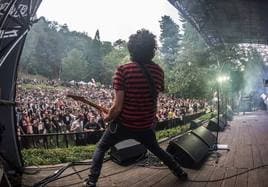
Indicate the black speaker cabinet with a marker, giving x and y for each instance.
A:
(195, 123)
(229, 113)
(213, 124)
(188, 150)
(223, 121)
(127, 152)
(228, 116)
(205, 135)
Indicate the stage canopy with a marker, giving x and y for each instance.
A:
(227, 21)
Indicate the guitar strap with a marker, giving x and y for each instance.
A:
(151, 83)
(153, 92)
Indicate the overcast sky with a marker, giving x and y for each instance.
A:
(114, 18)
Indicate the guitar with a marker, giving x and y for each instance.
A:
(84, 100)
(112, 125)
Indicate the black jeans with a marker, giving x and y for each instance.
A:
(111, 137)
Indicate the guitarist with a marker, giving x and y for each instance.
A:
(135, 105)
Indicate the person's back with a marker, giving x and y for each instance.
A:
(139, 108)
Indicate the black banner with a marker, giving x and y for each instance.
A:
(16, 17)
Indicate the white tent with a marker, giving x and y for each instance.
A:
(72, 82)
(82, 83)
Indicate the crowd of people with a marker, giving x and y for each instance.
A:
(42, 110)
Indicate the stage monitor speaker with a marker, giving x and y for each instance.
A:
(229, 113)
(127, 152)
(205, 135)
(228, 116)
(223, 120)
(188, 150)
(213, 124)
(195, 123)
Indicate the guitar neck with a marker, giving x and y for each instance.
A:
(100, 108)
(82, 99)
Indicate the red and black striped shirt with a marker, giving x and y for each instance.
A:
(139, 109)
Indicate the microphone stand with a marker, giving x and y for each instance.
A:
(218, 146)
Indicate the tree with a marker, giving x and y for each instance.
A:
(116, 57)
(43, 50)
(74, 66)
(190, 75)
(48, 43)
(189, 81)
(193, 48)
(190, 66)
(120, 43)
(170, 37)
(253, 72)
(97, 35)
(95, 54)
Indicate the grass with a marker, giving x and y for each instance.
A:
(207, 116)
(43, 156)
(57, 155)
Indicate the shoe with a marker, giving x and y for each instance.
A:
(182, 175)
(87, 183)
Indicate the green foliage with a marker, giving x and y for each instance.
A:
(190, 66)
(194, 49)
(74, 66)
(207, 116)
(43, 50)
(62, 155)
(116, 57)
(188, 81)
(190, 75)
(49, 48)
(168, 133)
(237, 78)
(57, 155)
(196, 68)
(170, 38)
(253, 72)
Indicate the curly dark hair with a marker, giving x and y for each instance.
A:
(142, 46)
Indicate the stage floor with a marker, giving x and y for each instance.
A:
(246, 135)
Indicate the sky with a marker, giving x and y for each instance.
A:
(114, 18)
